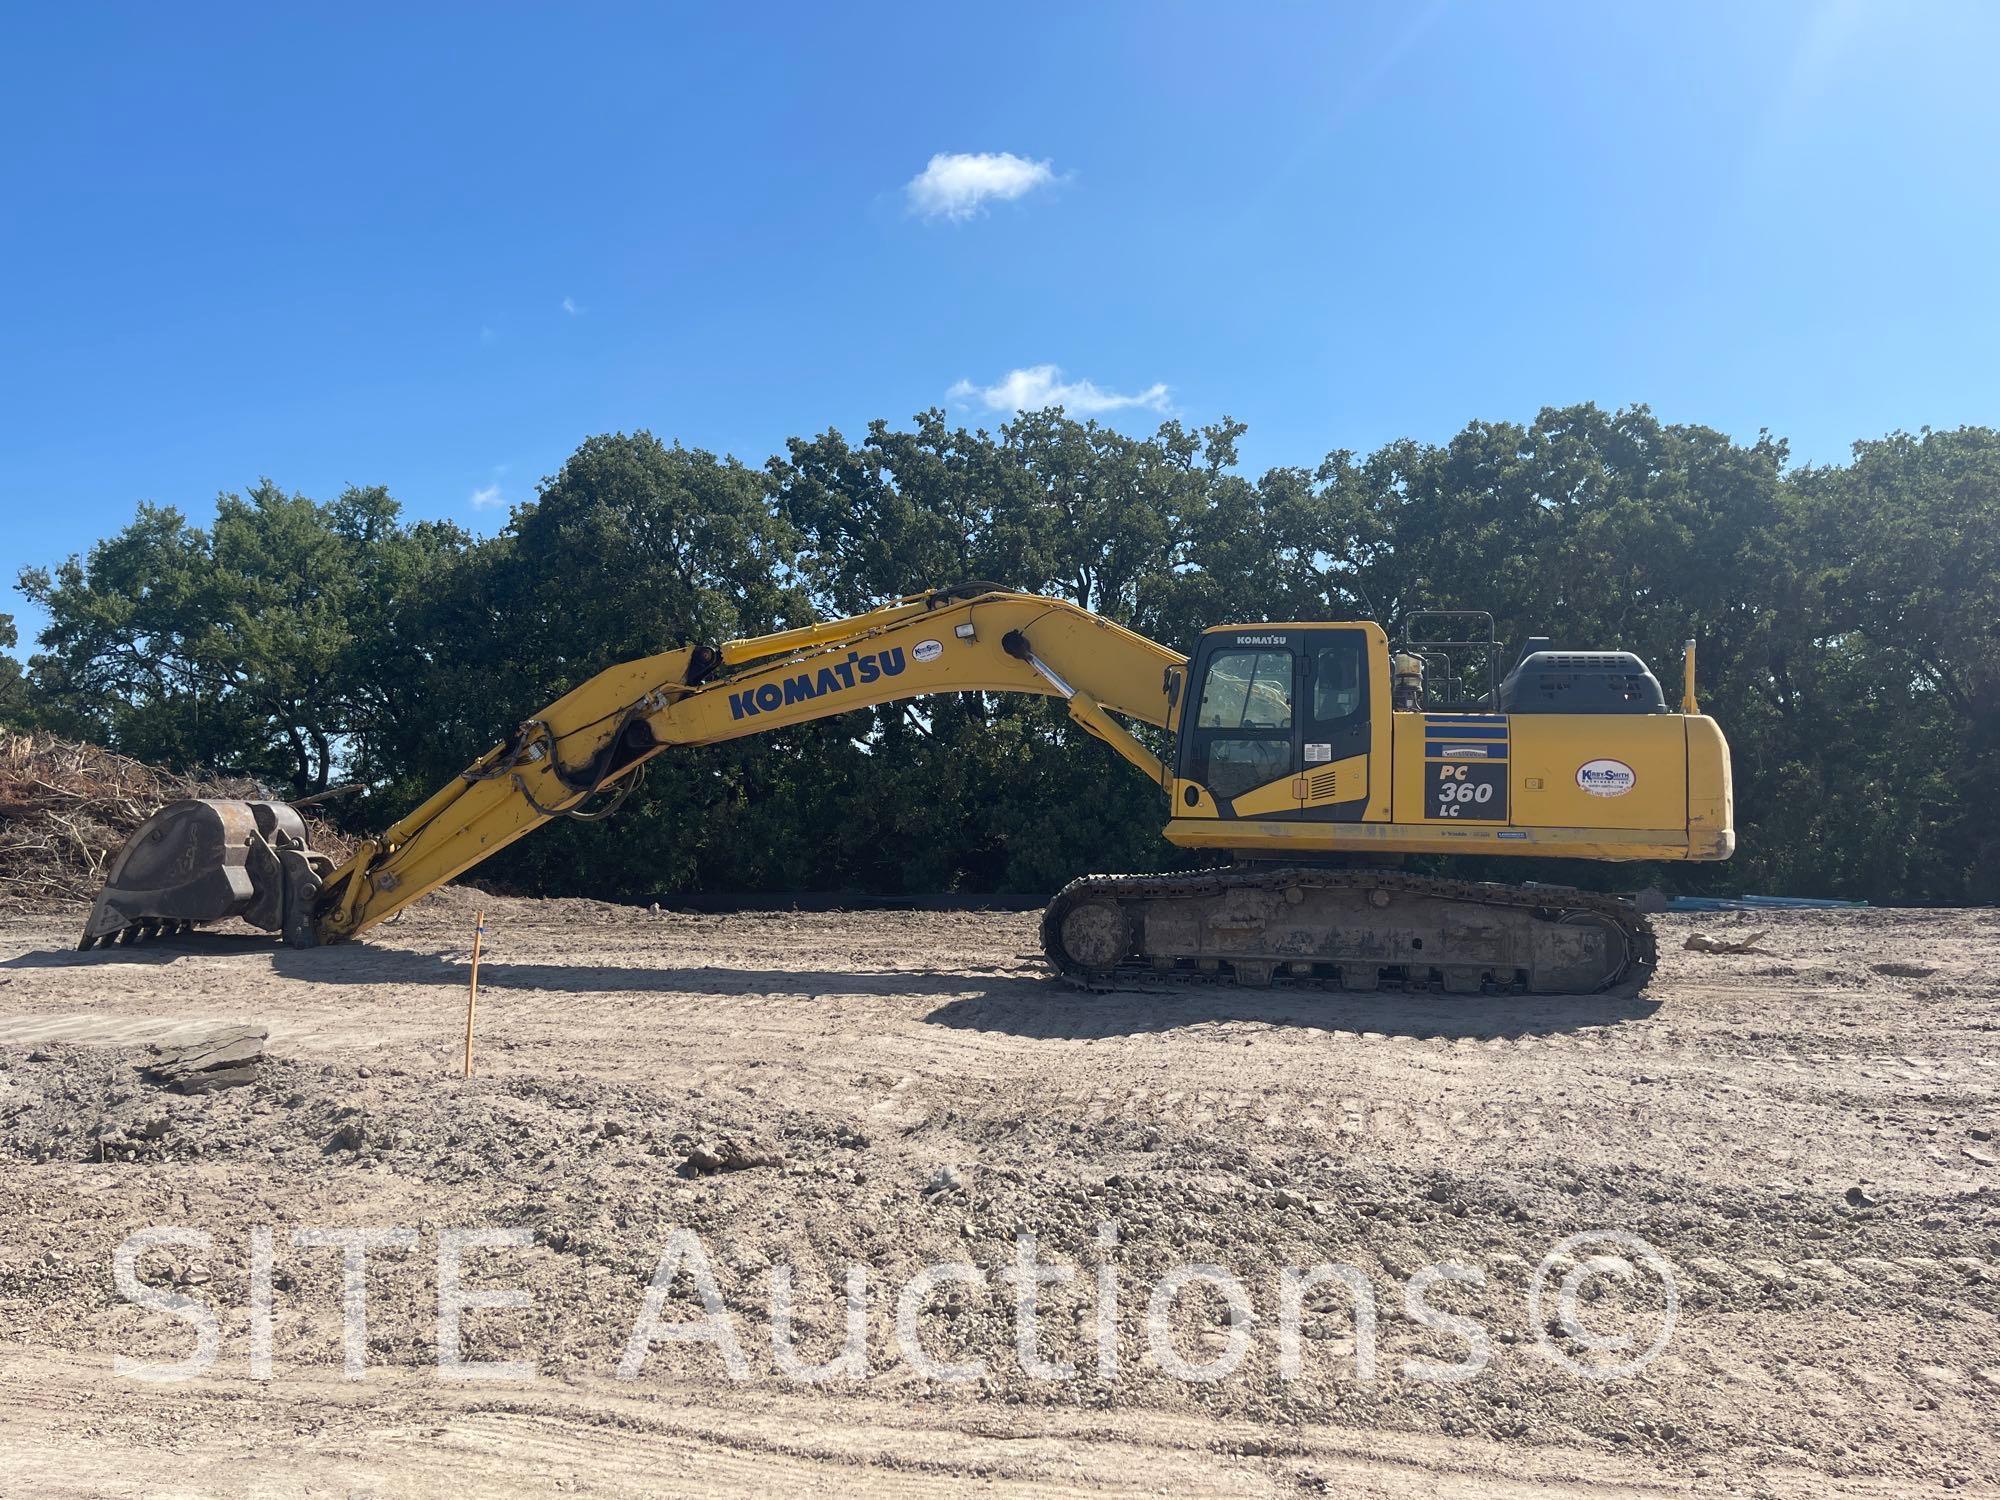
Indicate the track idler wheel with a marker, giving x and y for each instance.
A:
(1096, 936)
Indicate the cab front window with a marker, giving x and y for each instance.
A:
(1247, 690)
(1243, 725)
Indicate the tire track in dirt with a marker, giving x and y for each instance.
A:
(403, 1435)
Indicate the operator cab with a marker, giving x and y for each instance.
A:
(1277, 718)
(1291, 722)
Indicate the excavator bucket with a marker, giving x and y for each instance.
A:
(205, 860)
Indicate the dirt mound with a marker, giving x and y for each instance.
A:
(67, 806)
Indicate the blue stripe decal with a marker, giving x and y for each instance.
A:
(1466, 737)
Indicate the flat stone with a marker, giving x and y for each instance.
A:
(226, 1059)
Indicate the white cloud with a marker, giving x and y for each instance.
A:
(1040, 386)
(570, 307)
(487, 497)
(958, 184)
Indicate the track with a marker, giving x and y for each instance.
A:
(1345, 929)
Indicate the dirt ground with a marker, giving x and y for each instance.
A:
(1805, 1135)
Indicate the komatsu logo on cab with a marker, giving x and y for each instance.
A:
(856, 669)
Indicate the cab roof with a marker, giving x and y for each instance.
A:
(1255, 625)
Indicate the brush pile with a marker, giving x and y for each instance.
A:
(66, 808)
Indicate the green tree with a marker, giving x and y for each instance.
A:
(975, 791)
(1901, 672)
(904, 511)
(1847, 618)
(634, 547)
(13, 685)
(253, 645)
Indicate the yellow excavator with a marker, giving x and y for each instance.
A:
(1315, 756)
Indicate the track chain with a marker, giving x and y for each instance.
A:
(1206, 884)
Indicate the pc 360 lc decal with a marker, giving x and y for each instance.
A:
(1606, 778)
(855, 669)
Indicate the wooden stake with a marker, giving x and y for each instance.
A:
(472, 991)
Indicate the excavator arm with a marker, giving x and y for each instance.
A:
(201, 861)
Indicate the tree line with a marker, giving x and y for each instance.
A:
(1848, 617)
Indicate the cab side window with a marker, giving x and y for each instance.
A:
(1337, 683)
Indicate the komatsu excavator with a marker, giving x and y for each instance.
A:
(1312, 755)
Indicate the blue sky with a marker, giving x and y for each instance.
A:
(340, 246)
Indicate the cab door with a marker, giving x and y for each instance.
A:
(1242, 741)
(1334, 724)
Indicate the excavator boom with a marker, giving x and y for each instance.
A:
(202, 861)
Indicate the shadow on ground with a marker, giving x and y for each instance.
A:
(1028, 1003)
(1069, 1015)
(158, 951)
